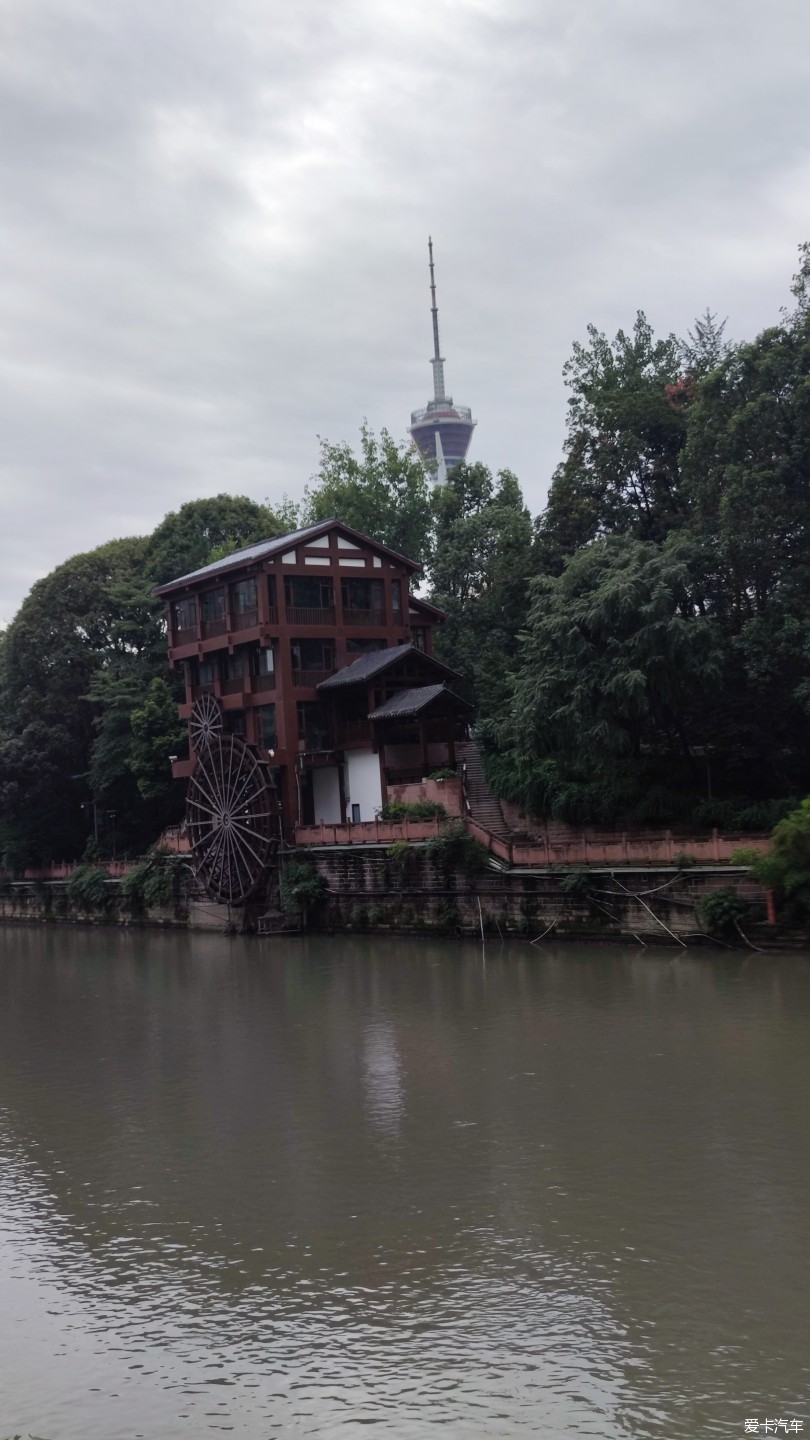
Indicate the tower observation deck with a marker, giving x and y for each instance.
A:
(441, 431)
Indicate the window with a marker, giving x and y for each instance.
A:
(266, 727)
(206, 672)
(212, 606)
(362, 594)
(308, 592)
(362, 646)
(235, 666)
(265, 661)
(233, 722)
(244, 596)
(396, 600)
(184, 615)
(418, 637)
(355, 814)
(313, 730)
(313, 655)
(271, 596)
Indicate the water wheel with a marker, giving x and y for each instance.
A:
(231, 819)
(205, 722)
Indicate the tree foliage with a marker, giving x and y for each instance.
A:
(383, 492)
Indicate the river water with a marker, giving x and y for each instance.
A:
(312, 1186)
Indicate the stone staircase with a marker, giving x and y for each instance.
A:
(485, 807)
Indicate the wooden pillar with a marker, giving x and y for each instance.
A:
(424, 743)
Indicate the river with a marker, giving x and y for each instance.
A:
(316, 1186)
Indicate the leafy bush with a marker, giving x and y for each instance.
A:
(683, 860)
(723, 911)
(88, 888)
(415, 810)
(159, 881)
(745, 855)
(576, 883)
(454, 849)
(786, 866)
(444, 774)
(357, 917)
(300, 883)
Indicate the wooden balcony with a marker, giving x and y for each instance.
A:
(198, 690)
(308, 679)
(264, 682)
(210, 628)
(185, 637)
(245, 620)
(363, 617)
(272, 615)
(310, 615)
(351, 732)
(237, 686)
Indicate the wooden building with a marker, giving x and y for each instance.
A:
(311, 653)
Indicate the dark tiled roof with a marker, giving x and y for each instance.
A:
(273, 546)
(251, 552)
(410, 702)
(365, 666)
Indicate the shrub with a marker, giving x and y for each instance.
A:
(786, 866)
(415, 810)
(159, 881)
(576, 883)
(745, 855)
(357, 917)
(88, 888)
(375, 915)
(454, 849)
(300, 883)
(722, 912)
(683, 860)
(445, 774)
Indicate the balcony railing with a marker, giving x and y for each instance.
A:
(353, 616)
(245, 619)
(272, 615)
(350, 731)
(235, 686)
(185, 637)
(310, 615)
(214, 627)
(307, 679)
(264, 682)
(198, 690)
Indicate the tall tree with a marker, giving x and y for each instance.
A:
(481, 568)
(626, 430)
(383, 492)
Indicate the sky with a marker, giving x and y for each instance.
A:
(214, 221)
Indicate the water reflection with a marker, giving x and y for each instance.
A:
(309, 1188)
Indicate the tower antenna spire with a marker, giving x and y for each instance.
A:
(437, 362)
(440, 430)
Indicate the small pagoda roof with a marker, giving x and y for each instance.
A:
(375, 662)
(413, 702)
(266, 549)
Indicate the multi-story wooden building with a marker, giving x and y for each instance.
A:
(310, 651)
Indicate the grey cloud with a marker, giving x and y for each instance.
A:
(213, 224)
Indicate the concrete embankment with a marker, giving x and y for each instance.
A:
(367, 888)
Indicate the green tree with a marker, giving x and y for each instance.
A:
(626, 430)
(480, 573)
(612, 695)
(204, 530)
(382, 492)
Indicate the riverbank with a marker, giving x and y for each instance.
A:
(368, 890)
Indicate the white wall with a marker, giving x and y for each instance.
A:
(363, 783)
(326, 794)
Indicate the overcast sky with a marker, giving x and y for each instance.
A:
(214, 219)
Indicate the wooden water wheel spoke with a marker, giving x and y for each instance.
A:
(205, 723)
(231, 818)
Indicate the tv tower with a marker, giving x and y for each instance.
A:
(441, 431)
